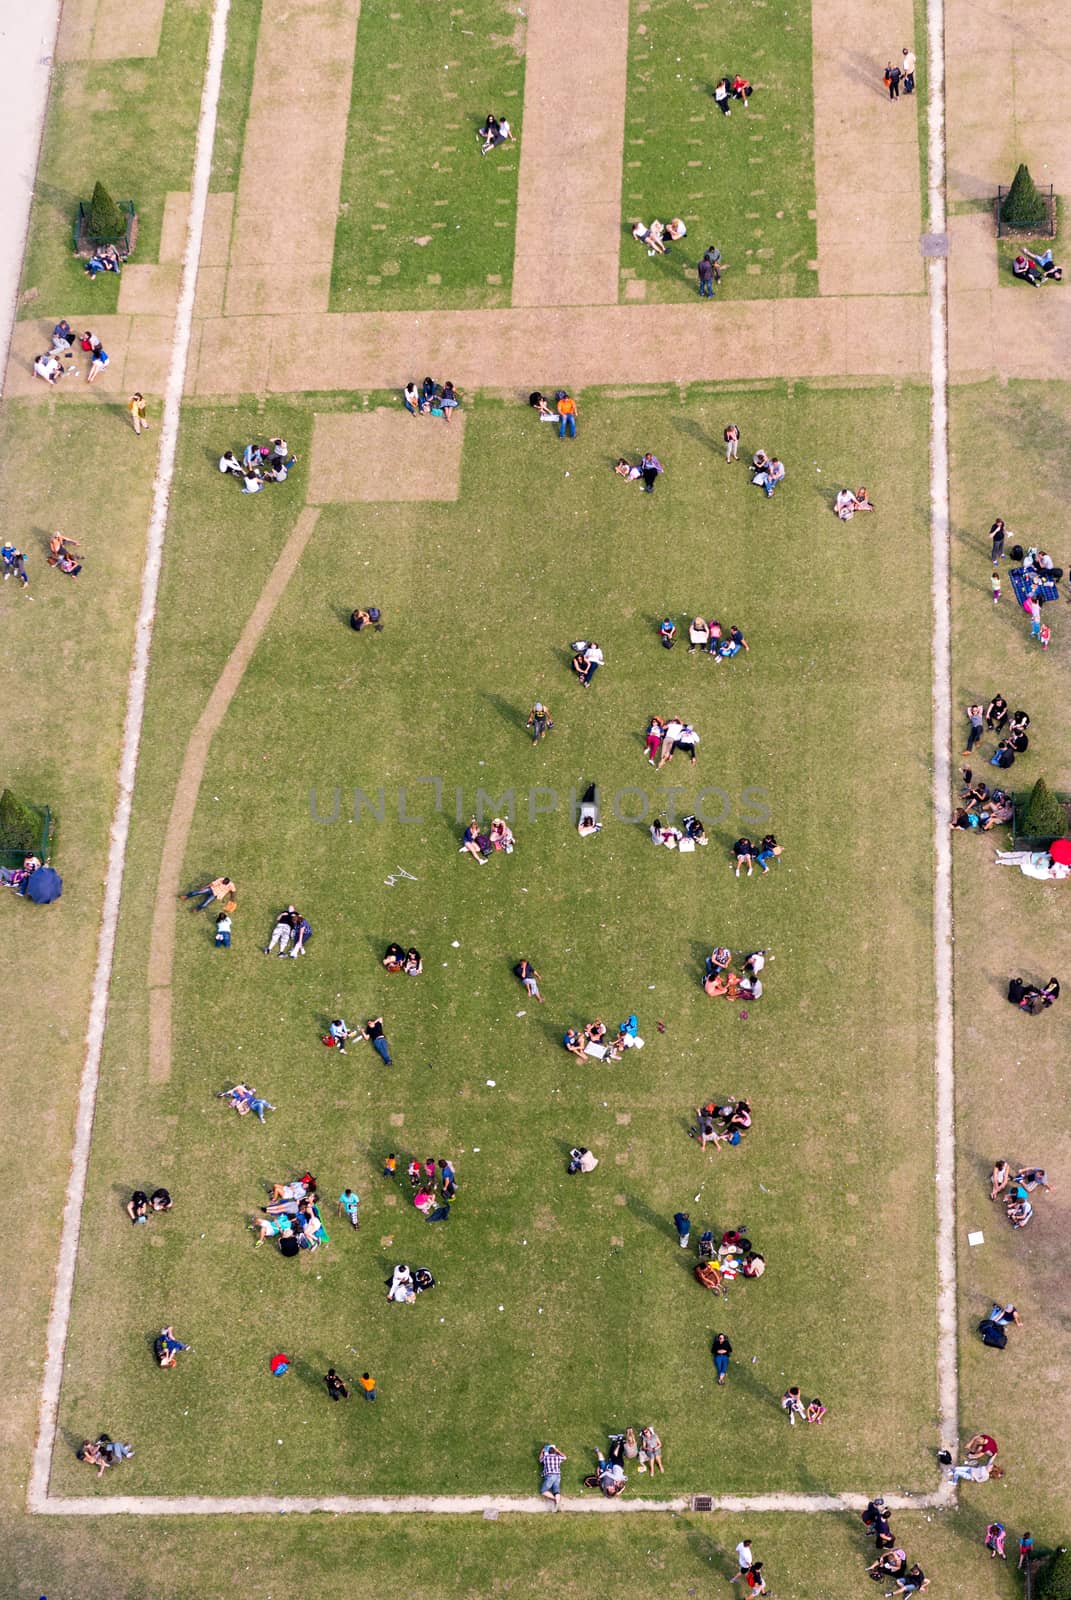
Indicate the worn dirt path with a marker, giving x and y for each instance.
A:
(576, 66)
(162, 939)
(294, 145)
(866, 152)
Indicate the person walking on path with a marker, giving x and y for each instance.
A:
(136, 406)
(721, 1352)
(336, 1389)
(793, 1405)
(994, 584)
(996, 533)
(892, 81)
(744, 1560)
(732, 442)
(907, 70)
(373, 1032)
(218, 889)
(977, 727)
(368, 1386)
(567, 414)
(550, 1467)
(705, 272)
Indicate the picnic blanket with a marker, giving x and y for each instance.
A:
(1027, 583)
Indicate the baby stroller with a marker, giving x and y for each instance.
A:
(707, 1250)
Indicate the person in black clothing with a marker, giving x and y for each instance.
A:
(892, 81)
(996, 713)
(373, 1032)
(996, 533)
(721, 1350)
(336, 1389)
(1018, 740)
(1004, 755)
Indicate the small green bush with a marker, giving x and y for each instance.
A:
(20, 824)
(1055, 1580)
(106, 222)
(1023, 206)
(1043, 816)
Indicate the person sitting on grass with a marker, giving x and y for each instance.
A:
(538, 402)
(502, 835)
(400, 1287)
(1023, 267)
(650, 1452)
(845, 505)
(863, 501)
(741, 90)
(160, 1200)
(270, 1227)
(667, 633)
(652, 237)
(46, 366)
(476, 843)
(624, 470)
(137, 1207)
(1045, 265)
(167, 1348)
(496, 136)
(574, 1043)
(339, 1033)
(412, 966)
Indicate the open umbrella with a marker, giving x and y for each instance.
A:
(1060, 850)
(43, 886)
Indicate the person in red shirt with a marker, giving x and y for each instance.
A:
(741, 89)
(754, 1579)
(982, 1447)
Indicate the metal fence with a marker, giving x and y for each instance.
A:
(1043, 230)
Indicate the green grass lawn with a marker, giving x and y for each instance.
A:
(743, 182)
(357, 1558)
(424, 220)
(601, 1323)
(1010, 1068)
(129, 124)
(243, 31)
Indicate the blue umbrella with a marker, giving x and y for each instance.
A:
(43, 886)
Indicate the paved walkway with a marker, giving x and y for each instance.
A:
(866, 153)
(27, 40)
(568, 236)
(288, 190)
(459, 1505)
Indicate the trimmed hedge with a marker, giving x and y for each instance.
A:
(1055, 1580)
(20, 824)
(1023, 206)
(1044, 815)
(105, 223)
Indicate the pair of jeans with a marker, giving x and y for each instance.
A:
(260, 1106)
(721, 1365)
(206, 895)
(566, 422)
(706, 288)
(589, 672)
(382, 1048)
(223, 940)
(974, 736)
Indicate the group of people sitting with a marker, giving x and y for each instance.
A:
(64, 339)
(338, 1034)
(244, 1099)
(1032, 999)
(292, 1216)
(727, 89)
(655, 236)
(1016, 1190)
(141, 1205)
(610, 1468)
(61, 554)
(706, 637)
(848, 503)
(399, 960)
(366, 617)
(722, 1263)
(404, 1285)
(720, 979)
(495, 131)
(483, 845)
(103, 1452)
(291, 933)
(587, 659)
(734, 1117)
(105, 258)
(665, 736)
(260, 464)
(430, 399)
(767, 471)
(685, 838)
(649, 468)
(595, 1043)
(744, 853)
(1036, 269)
(980, 807)
(891, 1564)
(16, 877)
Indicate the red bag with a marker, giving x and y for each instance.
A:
(326, 1038)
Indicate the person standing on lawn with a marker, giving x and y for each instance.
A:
(368, 1386)
(705, 272)
(996, 533)
(136, 406)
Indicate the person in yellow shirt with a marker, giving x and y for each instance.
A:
(136, 406)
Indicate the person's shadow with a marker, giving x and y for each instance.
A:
(511, 714)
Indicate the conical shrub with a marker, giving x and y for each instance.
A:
(1023, 206)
